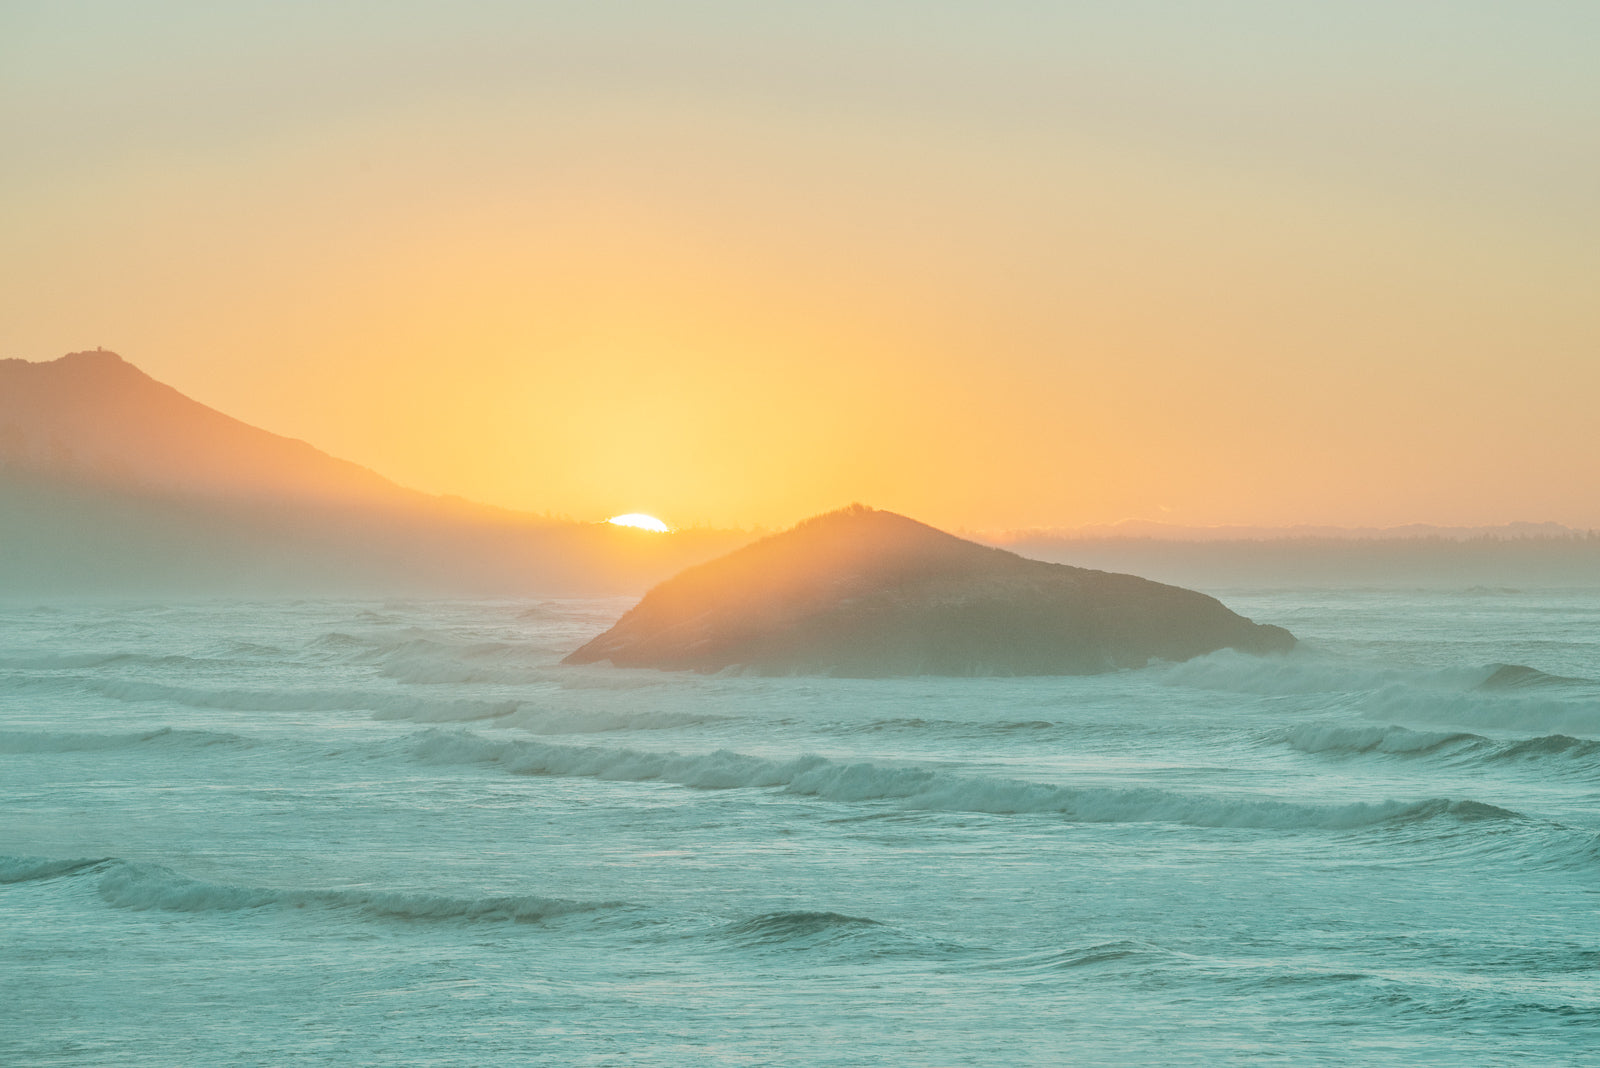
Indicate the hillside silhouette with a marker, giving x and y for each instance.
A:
(94, 418)
(113, 483)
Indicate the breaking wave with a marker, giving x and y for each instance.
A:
(834, 934)
(932, 789)
(1549, 745)
(1522, 712)
(1497, 696)
(35, 869)
(1305, 672)
(949, 728)
(1360, 740)
(1081, 956)
(1455, 746)
(426, 660)
(1522, 677)
(422, 657)
(789, 928)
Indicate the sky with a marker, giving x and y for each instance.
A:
(999, 265)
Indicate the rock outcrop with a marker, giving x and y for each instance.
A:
(867, 593)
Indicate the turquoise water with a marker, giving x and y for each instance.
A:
(350, 834)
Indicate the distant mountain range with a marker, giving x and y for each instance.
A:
(113, 483)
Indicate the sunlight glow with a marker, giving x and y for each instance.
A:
(640, 520)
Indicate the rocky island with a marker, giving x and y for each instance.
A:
(868, 593)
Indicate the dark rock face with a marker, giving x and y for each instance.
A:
(866, 593)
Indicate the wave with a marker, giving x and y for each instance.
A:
(930, 789)
(1454, 746)
(1495, 696)
(36, 869)
(1522, 677)
(232, 650)
(1308, 671)
(945, 727)
(1521, 845)
(541, 720)
(92, 660)
(421, 657)
(143, 887)
(785, 928)
(573, 612)
(1304, 671)
(527, 715)
(1361, 740)
(538, 718)
(831, 933)
(17, 743)
(1081, 956)
(382, 706)
(1489, 710)
(1562, 745)
(428, 661)
(337, 645)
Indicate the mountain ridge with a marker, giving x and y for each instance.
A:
(92, 416)
(112, 483)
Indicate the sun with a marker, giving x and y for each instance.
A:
(641, 521)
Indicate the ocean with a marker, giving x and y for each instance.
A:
(400, 833)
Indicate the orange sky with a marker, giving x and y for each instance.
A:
(1020, 267)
